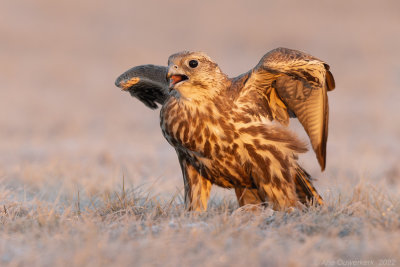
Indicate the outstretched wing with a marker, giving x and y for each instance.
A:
(296, 84)
(148, 83)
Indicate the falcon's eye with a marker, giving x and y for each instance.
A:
(193, 63)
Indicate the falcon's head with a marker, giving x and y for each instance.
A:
(194, 75)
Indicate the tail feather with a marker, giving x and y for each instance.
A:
(306, 192)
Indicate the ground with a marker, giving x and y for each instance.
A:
(87, 179)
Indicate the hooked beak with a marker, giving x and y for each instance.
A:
(175, 77)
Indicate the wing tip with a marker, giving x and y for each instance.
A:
(321, 156)
(322, 164)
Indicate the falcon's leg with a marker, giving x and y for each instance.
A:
(197, 188)
(247, 196)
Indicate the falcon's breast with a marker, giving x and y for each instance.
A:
(203, 137)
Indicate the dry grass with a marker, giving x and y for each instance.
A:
(133, 227)
(86, 178)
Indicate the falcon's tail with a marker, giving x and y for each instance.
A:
(306, 192)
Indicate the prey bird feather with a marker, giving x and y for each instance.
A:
(232, 132)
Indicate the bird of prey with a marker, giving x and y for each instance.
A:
(233, 132)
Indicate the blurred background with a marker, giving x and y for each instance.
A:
(64, 126)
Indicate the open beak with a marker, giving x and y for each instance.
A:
(175, 78)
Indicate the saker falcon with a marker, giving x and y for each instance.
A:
(233, 132)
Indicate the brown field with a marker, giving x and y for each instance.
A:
(86, 178)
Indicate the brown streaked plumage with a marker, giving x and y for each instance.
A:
(232, 132)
